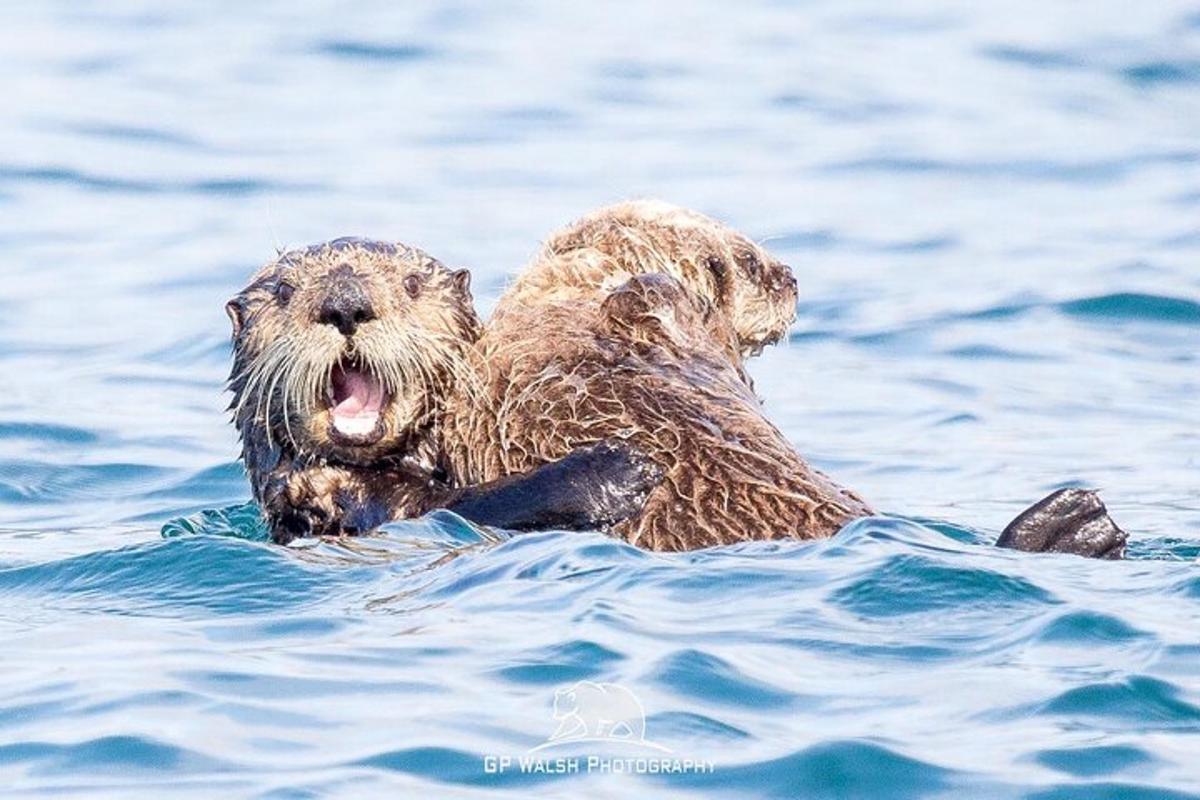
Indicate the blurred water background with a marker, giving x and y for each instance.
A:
(993, 210)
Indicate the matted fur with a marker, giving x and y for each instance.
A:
(631, 325)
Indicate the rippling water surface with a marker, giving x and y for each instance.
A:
(994, 214)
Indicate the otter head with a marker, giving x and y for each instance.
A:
(344, 351)
(755, 291)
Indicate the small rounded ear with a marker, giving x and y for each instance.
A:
(462, 280)
(236, 309)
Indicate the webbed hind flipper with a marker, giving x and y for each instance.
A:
(1067, 521)
(591, 488)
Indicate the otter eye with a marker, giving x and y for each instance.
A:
(749, 262)
(412, 285)
(284, 291)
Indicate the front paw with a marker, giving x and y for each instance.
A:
(1067, 521)
(289, 523)
(299, 511)
(322, 501)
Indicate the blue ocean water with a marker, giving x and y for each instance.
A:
(993, 211)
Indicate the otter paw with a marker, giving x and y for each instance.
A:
(293, 523)
(1067, 521)
(296, 516)
(324, 501)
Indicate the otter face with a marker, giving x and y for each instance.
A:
(761, 294)
(345, 350)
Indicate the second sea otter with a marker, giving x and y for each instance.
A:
(631, 325)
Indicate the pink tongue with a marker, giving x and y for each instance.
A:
(356, 394)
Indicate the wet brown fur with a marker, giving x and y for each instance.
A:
(631, 325)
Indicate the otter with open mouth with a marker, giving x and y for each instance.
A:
(344, 353)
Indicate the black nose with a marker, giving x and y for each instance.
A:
(346, 307)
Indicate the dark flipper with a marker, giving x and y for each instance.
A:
(591, 488)
(1067, 521)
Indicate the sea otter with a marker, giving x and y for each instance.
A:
(344, 354)
(623, 363)
(631, 326)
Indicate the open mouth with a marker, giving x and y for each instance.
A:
(356, 402)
